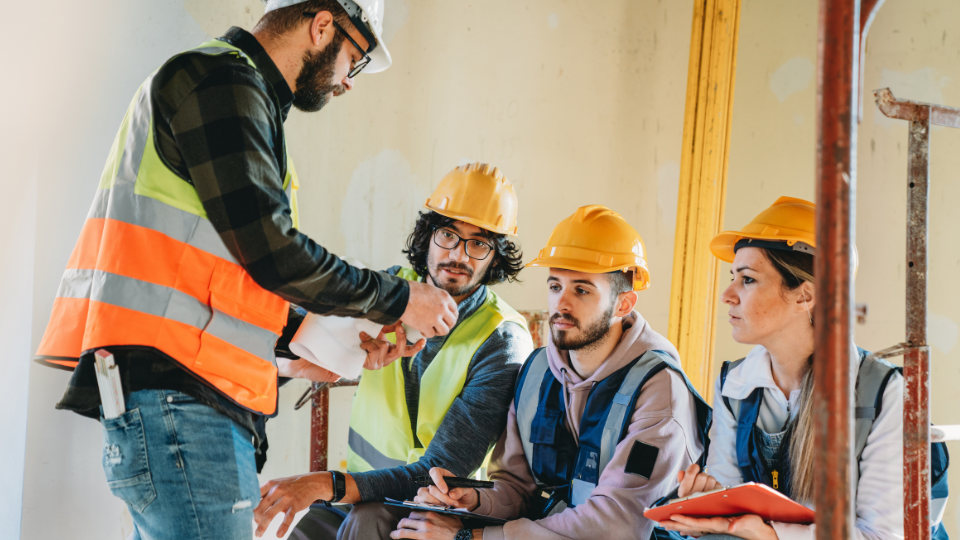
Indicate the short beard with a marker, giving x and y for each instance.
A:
(315, 81)
(458, 291)
(589, 336)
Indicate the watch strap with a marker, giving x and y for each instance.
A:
(339, 486)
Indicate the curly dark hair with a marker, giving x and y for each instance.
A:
(507, 262)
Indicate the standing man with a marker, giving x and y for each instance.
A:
(189, 259)
(603, 418)
(444, 406)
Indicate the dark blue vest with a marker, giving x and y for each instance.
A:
(568, 467)
(872, 380)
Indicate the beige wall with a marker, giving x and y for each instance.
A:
(576, 105)
(913, 48)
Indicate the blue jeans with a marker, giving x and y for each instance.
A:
(185, 471)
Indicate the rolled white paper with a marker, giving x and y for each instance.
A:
(333, 343)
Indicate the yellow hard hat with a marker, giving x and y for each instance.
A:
(596, 240)
(789, 220)
(478, 194)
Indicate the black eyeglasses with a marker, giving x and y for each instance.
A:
(357, 66)
(475, 249)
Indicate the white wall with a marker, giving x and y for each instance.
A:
(18, 214)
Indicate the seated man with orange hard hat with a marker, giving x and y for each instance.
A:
(445, 403)
(603, 417)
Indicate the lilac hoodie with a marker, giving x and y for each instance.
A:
(664, 417)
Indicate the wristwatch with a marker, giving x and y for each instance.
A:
(464, 534)
(339, 486)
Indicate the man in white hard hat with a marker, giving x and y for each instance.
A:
(191, 257)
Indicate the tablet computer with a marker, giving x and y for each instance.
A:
(749, 498)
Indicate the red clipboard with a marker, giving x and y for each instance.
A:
(749, 498)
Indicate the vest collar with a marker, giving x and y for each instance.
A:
(246, 42)
(754, 372)
(465, 309)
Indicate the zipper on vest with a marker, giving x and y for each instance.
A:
(776, 483)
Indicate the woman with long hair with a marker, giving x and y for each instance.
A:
(771, 299)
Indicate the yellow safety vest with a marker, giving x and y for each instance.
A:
(149, 269)
(380, 436)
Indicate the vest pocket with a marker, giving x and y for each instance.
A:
(125, 460)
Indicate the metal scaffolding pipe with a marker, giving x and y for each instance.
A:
(916, 360)
(917, 432)
(833, 370)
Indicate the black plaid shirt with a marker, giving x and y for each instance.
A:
(218, 124)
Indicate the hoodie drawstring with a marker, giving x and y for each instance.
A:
(566, 400)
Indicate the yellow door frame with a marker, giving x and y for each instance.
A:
(703, 185)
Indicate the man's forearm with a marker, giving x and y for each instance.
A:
(352, 496)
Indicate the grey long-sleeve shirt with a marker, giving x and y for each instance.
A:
(477, 416)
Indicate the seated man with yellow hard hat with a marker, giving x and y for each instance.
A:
(603, 417)
(445, 402)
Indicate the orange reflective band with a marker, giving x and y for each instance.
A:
(248, 380)
(234, 292)
(151, 256)
(114, 325)
(245, 378)
(64, 334)
(148, 255)
(85, 252)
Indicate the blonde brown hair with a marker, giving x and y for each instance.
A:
(795, 268)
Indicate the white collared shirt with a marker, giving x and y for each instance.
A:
(879, 505)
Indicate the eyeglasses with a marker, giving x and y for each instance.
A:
(357, 66)
(475, 249)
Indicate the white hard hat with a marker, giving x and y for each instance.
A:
(366, 15)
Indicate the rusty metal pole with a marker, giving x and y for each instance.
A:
(319, 416)
(916, 359)
(916, 352)
(838, 86)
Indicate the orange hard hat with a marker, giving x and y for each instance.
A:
(788, 221)
(478, 194)
(596, 240)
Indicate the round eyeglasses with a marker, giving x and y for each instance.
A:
(475, 249)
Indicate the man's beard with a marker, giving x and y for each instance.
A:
(452, 289)
(589, 336)
(315, 81)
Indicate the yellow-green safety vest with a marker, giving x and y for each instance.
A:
(380, 435)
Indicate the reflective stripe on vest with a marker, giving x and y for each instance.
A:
(150, 270)
(380, 429)
(872, 378)
(603, 425)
